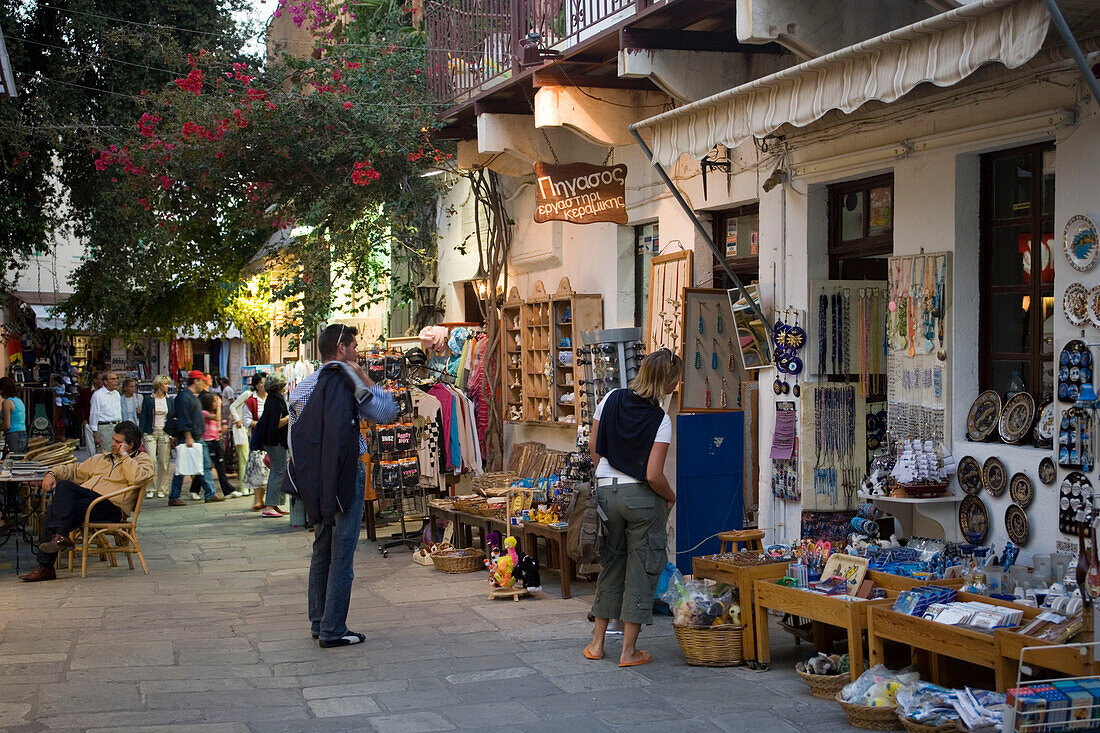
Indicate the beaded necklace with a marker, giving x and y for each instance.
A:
(822, 332)
(846, 333)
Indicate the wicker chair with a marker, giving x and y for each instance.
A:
(92, 537)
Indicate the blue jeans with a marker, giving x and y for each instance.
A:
(17, 441)
(330, 572)
(207, 477)
(274, 495)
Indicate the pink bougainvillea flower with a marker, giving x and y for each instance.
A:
(192, 82)
(348, 105)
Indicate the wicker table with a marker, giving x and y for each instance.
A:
(555, 550)
(831, 610)
(741, 577)
(938, 642)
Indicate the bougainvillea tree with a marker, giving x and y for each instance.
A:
(227, 155)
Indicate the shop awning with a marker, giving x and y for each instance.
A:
(45, 318)
(942, 50)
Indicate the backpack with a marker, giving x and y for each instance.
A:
(582, 539)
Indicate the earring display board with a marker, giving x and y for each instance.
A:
(833, 445)
(711, 360)
(918, 378)
(511, 346)
(846, 329)
(669, 274)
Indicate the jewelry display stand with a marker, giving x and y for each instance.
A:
(833, 445)
(846, 321)
(712, 381)
(601, 355)
(669, 274)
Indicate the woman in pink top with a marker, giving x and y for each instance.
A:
(211, 413)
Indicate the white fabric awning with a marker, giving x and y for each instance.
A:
(44, 318)
(942, 50)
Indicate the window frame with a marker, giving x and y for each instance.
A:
(1035, 219)
(641, 265)
(747, 269)
(868, 245)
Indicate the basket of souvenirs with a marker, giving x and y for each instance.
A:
(825, 675)
(870, 702)
(451, 560)
(706, 621)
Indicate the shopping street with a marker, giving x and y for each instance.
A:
(215, 640)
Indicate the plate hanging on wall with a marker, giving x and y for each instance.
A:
(1021, 489)
(1016, 525)
(995, 476)
(1017, 416)
(1094, 306)
(1075, 303)
(1081, 243)
(1048, 473)
(973, 518)
(1044, 426)
(983, 416)
(970, 475)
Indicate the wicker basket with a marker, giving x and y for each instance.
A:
(459, 561)
(710, 646)
(825, 686)
(914, 727)
(869, 718)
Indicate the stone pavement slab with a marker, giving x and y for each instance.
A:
(215, 640)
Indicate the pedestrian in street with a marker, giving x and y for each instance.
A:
(191, 428)
(105, 412)
(76, 485)
(130, 400)
(328, 476)
(228, 394)
(245, 413)
(271, 434)
(14, 417)
(84, 409)
(154, 413)
(212, 435)
(629, 443)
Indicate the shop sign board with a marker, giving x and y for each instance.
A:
(580, 193)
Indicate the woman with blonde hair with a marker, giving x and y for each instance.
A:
(630, 438)
(154, 412)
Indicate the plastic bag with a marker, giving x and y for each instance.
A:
(698, 605)
(188, 459)
(879, 686)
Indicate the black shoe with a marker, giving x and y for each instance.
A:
(346, 640)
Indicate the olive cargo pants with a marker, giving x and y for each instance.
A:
(633, 554)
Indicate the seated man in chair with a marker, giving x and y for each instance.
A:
(77, 485)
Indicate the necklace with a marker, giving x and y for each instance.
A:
(822, 332)
(846, 335)
(714, 356)
(732, 365)
(724, 402)
(698, 353)
(702, 306)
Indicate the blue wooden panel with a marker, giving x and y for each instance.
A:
(709, 481)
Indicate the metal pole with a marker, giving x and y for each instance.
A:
(702, 230)
(1074, 49)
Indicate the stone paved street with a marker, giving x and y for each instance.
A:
(215, 640)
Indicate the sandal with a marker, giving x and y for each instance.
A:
(257, 507)
(646, 659)
(271, 512)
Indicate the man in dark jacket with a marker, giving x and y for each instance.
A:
(191, 427)
(326, 473)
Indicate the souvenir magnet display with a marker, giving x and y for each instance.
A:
(1016, 525)
(1021, 489)
(970, 475)
(1075, 439)
(1081, 243)
(981, 423)
(995, 476)
(1075, 502)
(973, 518)
(1017, 416)
(1074, 370)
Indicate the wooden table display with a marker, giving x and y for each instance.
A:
(940, 641)
(1069, 661)
(741, 577)
(557, 558)
(889, 581)
(831, 610)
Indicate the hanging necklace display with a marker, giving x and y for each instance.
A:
(845, 334)
(706, 381)
(723, 402)
(702, 307)
(698, 353)
(1074, 370)
(714, 356)
(732, 363)
(929, 303)
(938, 304)
(788, 339)
(822, 333)
(838, 347)
(719, 324)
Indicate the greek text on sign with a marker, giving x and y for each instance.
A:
(581, 193)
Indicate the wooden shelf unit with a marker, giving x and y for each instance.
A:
(535, 319)
(571, 313)
(511, 357)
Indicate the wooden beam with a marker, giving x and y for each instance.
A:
(503, 107)
(456, 133)
(653, 38)
(555, 78)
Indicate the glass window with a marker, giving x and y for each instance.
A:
(861, 228)
(851, 216)
(1017, 272)
(738, 232)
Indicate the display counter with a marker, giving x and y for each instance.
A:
(741, 577)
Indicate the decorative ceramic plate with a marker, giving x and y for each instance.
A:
(970, 475)
(1094, 306)
(983, 417)
(1081, 243)
(995, 476)
(1044, 426)
(1048, 473)
(973, 517)
(1016, 417)
(1016, 525)
(1075, 303)
(1021, 489)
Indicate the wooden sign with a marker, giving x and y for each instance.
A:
(580, 193)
